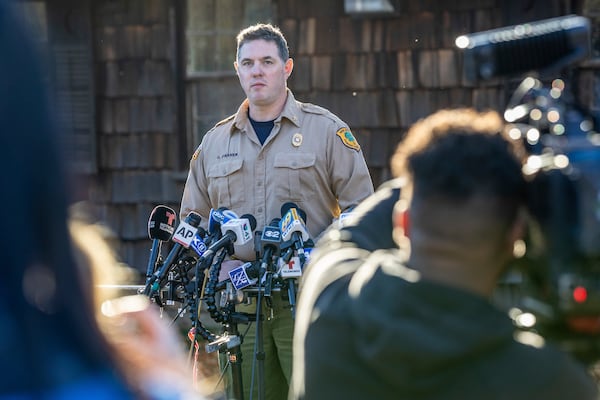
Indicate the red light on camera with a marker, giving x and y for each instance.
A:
(580, 294)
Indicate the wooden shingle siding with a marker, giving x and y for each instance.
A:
(378, 73)
(137, 126)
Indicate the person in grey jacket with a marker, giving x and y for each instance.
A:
(396, 304)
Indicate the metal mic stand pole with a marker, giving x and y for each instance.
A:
(259, 353)
(231, 339)
(235, 356)
(291, 284)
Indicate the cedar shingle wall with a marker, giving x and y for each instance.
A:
(378, 74)
(135, 92)
(381, 74)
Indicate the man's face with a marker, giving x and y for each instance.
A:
(262, 73)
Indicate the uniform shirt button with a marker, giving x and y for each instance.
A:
(259, 209)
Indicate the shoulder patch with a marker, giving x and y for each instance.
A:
(348, 138)
(196, 154)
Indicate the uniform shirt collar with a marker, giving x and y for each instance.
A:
(291, 112)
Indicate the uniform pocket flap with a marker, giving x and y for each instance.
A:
(294, 161)
(224, 168)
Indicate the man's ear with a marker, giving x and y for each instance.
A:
(288, 67)
(400, 219)
(400, 223)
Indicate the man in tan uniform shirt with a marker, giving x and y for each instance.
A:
(304, 154)
(304, 160)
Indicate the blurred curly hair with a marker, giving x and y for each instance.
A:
(460, 153)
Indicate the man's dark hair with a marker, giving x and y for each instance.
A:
(265, 32)
(460, 154)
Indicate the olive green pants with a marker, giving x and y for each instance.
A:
(277, 331)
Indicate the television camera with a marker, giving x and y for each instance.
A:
(553, 288)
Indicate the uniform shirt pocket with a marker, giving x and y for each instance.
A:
(296, 175)
(226, 183)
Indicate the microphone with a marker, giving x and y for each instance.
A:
(292, 224)
(270, 240)
(182, 238)
(244, 276)
(237, 231)
(547, 45)
(161, 225)
(342, 220)
(293, 230)
(199, 242)
(218, 217)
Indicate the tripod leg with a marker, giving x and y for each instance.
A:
(235, 361)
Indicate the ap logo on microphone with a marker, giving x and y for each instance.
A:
(185, 233)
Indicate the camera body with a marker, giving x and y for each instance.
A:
(553, 287)
(560, 268)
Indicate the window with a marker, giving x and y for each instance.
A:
(63, 32)
(212, 26)
(213, 90)
(371, 7)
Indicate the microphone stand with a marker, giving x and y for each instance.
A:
(156, 247)
(291, 284)
(230, 341)
(235, 356)
(266, 271)
(259, 351)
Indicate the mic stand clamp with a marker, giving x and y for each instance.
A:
(268, 289)
(225, 342)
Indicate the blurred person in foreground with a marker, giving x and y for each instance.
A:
(396, 304)
(52, 345)
(147, 348)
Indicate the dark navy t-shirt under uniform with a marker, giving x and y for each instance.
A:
(262, 128)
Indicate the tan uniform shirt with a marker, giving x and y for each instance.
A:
(310, 158)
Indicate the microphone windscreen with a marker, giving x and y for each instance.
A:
(193, 219)
(302, 214)
(161, 223)
(218, 217)
(251, 220)
(275, 222)
(285, 207)
(201, 232)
